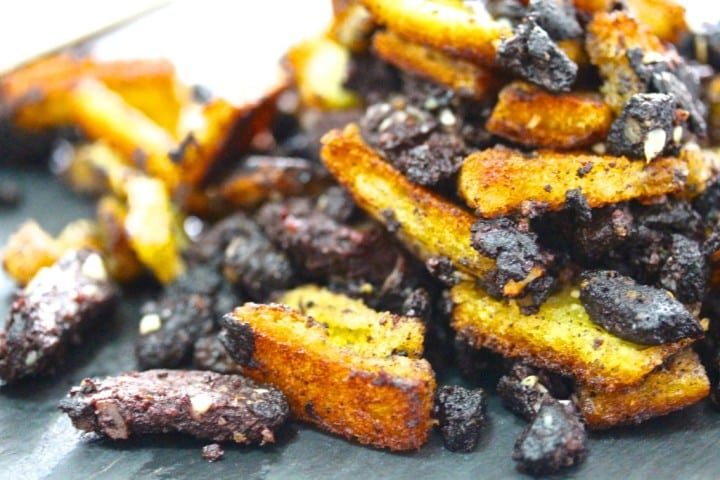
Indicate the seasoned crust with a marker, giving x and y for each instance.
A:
(676, 385)
(427, 224)
(609, 38)
(384, 401)
(450, 26)
(560, 337)
(664, 18)
(533, 117)
(500, 181)
(456, 74)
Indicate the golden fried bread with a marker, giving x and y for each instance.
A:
(426, 223)
(319, 66)
(678, 384)
(448, 25)
(534, 117)
(334, 375)
(500, 181)
(456, 74)
(609, 37)
(560, 337)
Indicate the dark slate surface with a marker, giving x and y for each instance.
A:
(37, 442)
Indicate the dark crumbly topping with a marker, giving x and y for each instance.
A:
(669, 74)
(371, 77)
(192, 305)
(523, 389)
(576, 203)
(645, 127)
(51, 312)
(320, 247)
(556, 17)
(637, 313)
(531, 54)
(213, 452)
(515, 249)
(256, 266)
(554, 440)
(685, 271)
(433, 161)
(210, 354)
(205, 405)
(461, 416)
(443, 270)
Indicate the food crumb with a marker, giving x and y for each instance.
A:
(213, 452)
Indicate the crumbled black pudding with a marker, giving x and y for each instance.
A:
(637, 313)
(512, 245)
(50, 314)
(644, 128)
(531, 54)
(205, 405)
(461, 416)
(523, 389)
(554, 440)
(556, 17)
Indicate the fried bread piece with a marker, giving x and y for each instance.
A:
(120, 258)
(404, 338)
(448, 25)
(51, 312)
(151, 223)
(320, 66)
(31, 248)
(427, 224)
(500, 181)
(560, 337)
(261, 178)
(609, 38)
(337, 375)
(457, 74)
(352, 27)
(202, 404)
(681, 382)
(31, 93)
(664, 18)
(533, 117)
(103, 114)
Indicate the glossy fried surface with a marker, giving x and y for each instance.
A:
(383, 401)
(454, 73)
(500, 181)
(448, 25)
(533, 117)
(427, 224)
(678, 384)
(560, 337)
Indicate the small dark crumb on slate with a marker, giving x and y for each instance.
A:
(531, 54)
(10, 194)
(461, 416)
(213, 452)
(554, 440)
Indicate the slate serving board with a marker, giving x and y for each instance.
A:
(36, 441)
